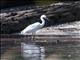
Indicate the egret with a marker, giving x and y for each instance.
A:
(35, 26)
(32, 29)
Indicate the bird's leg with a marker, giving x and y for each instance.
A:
(24, 37)
(33, 36)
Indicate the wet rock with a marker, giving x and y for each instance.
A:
(72, 28)
(58, 13)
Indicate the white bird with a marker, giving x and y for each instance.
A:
(35, 26)
(31, 48)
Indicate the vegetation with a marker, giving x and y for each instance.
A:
(44, 2)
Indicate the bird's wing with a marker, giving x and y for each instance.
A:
(32, 27)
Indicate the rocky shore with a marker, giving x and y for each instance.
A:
(14, 20)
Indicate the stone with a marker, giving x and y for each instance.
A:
(13, 22)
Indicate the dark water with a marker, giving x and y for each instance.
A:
(59, 51)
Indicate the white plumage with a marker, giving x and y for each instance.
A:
(34, 27)
(31, 28)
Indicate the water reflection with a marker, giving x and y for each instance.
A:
(54, 51)
(32, 51)
(59, 51)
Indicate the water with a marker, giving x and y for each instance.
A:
(64, 52)
(54, 51)
(32, 51)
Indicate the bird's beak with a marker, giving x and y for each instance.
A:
(46, 19)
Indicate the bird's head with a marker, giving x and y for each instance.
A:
(44, 17)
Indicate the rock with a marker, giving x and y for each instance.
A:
(58, 13)
(72, 28)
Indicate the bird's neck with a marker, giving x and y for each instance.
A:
(43, 21)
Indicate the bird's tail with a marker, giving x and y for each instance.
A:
(17, 33)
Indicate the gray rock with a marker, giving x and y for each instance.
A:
(12, 22)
